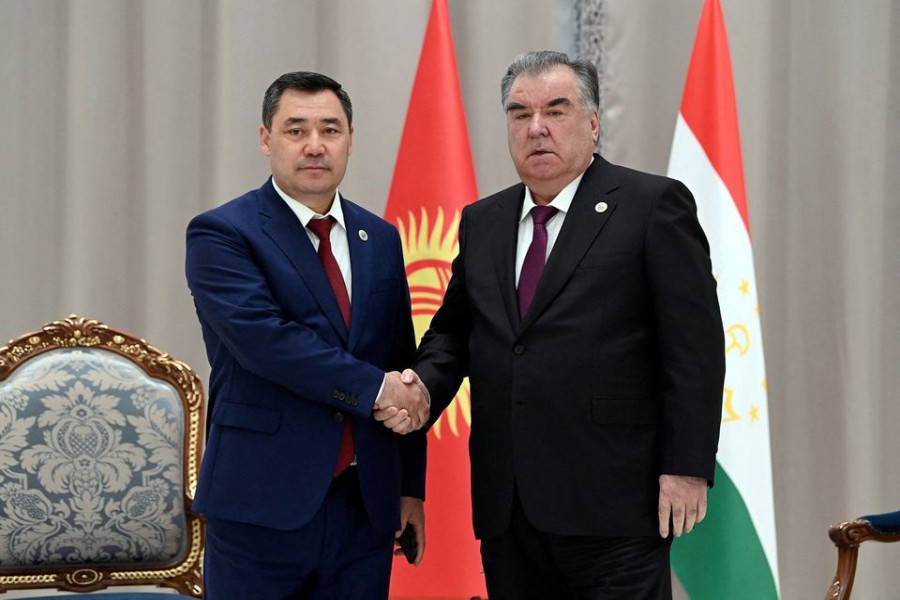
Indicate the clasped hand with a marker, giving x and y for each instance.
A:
(404, 404)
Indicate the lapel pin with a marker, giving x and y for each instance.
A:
(363, 235)
(601, 207)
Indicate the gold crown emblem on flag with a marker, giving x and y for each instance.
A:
(428, 251)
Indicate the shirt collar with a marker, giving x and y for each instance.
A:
(563, 199)
(305, 214)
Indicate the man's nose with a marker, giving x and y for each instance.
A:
(314, 146)
(536, 126)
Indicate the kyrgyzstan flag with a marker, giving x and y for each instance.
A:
(433, 179)
(731, 554)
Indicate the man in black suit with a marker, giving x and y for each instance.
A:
(592, 338)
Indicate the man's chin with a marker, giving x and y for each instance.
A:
(541, 162)
(321, 181)
(540, 171)
(312, 175)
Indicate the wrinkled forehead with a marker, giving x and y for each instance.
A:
(544, 86)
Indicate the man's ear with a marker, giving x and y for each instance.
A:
(264, 140)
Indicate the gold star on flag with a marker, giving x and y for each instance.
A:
(754, 413)
(744, 287)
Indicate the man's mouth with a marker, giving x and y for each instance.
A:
(313, 167)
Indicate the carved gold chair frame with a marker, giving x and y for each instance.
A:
(847, 536)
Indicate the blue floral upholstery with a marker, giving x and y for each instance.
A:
(99, 452)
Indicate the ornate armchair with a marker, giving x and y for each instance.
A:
(99, 455)
(847, 536)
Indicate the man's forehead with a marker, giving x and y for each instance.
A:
(321, 106)
(542, 93)
(556, 78)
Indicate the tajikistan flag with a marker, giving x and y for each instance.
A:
(732, 553)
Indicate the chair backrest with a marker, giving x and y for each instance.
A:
(100, 439)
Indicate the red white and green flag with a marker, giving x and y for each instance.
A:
(433, 179)
(732, 554)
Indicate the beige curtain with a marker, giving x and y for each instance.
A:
(817, 84)
(121, 120)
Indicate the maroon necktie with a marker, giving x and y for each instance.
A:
(533, 265)
(322, 229)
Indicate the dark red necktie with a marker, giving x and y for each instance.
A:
(533, 265)
(322, 229)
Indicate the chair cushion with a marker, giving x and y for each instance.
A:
(90, 463)
(887, 523)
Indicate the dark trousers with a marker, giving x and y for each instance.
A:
(337, 556)
(526, 564)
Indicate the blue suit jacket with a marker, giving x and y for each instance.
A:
(286, 372)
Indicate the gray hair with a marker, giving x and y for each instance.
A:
(537, 62)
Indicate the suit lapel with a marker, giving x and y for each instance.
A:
(285, 230)
(585, 219)
(361, 266)
(505, 226)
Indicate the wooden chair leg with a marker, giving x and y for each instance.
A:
(842, 583)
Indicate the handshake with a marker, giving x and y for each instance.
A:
(404, 404)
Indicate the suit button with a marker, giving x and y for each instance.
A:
(342, 396)
(518, 349)
(339, 417)
(335, 394)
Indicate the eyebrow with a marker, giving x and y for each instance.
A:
(559, 101)
(302, 120)
(562, 100)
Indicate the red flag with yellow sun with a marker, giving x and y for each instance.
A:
(433, 179)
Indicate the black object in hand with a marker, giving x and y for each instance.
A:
(407, 541)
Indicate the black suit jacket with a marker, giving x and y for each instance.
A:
(612, 378)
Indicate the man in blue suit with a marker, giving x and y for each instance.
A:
(305, 312)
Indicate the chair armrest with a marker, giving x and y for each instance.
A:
(847, 536)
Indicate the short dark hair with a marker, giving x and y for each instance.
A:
(540, 61)
(304, 81)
